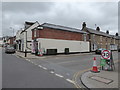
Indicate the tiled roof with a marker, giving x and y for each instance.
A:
(117, 37)
(59, 27)
(98, 32)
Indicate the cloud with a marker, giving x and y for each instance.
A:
(72, 14)
(26, 7)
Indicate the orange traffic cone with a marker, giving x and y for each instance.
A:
(95, 69)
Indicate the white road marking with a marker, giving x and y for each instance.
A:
(70, 81)
(59, 75)
(39, 65)
(44, 68)
(52, 72)
(27, 59)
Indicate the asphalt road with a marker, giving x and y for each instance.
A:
(18, 73)
(71, 64)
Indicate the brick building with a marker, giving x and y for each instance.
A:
(50, 36)
(11, 40)
(99, 39)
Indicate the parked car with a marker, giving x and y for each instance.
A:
(118, 49)
(10, 50)
(99, 51)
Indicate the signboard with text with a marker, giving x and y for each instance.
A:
(106, 54)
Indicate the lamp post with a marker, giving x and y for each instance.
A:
(13, 30)
(26, 45)
(13, 38)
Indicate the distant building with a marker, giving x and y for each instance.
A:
(5, 39)
(19, 41)
(11, 40)
(1, 41)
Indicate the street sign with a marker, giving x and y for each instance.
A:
(106, 54)
(107, 62)
(103, 62)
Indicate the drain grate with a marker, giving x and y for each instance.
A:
(101, 79)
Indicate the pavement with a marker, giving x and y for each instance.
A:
(103, 79)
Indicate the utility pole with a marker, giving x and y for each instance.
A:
(12, 41)
(95, 25)
(13, 30)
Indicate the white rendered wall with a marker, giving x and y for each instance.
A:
(60, 45)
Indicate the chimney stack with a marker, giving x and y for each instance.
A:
(83, 25)
(98, 29)
(107, 31)
(116, 34)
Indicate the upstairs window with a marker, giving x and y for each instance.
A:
(35, 33)
(101, 38)
(84, 36)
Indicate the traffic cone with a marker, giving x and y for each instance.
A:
(94, 68)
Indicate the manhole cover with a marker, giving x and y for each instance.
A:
(101, 79)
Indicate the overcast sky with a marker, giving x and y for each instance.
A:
(103, 14)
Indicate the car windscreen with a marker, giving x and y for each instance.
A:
(10, 47)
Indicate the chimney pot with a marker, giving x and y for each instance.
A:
(83, 25)
(107, 31)
(116, 34)
(98, 28)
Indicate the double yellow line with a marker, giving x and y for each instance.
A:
(77, 74)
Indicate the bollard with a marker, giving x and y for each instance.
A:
(25, 53)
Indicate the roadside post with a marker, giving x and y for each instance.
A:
(106, 62)
(25, 53)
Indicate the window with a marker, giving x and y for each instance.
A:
(34, 33)
(37, 33)
(89, 36)
(93, 36)
(106, 39)
(84, 37)
(114, 41)
(93, 46)
(100, 38)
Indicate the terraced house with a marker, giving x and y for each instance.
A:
(99, 39)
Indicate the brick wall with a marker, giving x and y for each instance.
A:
(57, 34)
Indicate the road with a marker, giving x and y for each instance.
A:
(70, 66)
(62, 70)
(18, 73)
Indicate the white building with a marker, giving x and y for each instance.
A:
(25, 36)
